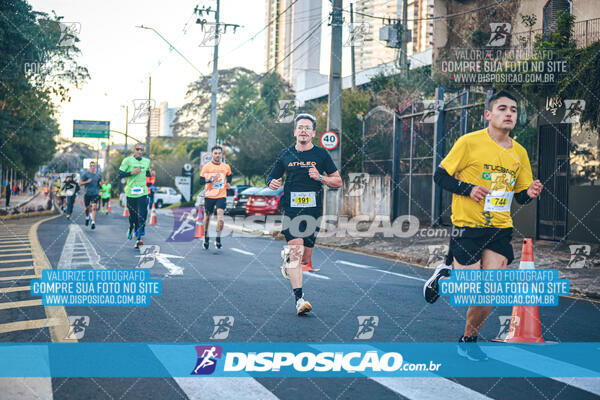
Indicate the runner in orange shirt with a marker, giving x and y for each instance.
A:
(217, 177)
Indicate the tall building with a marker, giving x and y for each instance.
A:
(161, 119)
(373, 51)
(293, 40)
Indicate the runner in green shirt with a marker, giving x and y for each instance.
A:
(105, 195)
(135, 169)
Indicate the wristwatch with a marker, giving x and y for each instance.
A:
(320, 178)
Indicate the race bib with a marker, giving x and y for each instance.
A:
(69, 192)
(303, 199)
(498, 201)
(137, 190)
(218, 185)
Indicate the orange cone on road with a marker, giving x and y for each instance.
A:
(126, 212)
(153, 220)
(109, 208)
(199, 224)
(525, 323)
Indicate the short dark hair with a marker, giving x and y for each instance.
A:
(217, 147)
(501, 93)
(305, 116)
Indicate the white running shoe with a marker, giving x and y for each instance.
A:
(302, 306)
(285, 255)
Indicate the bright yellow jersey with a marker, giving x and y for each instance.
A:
(218, 173)
(477, 159)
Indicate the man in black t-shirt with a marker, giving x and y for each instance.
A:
(303, 165)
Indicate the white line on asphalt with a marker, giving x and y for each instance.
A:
(168, 264)
(26, 388)
(402, 275)
(242, 251)
(306, 273)
(77, 240)
(422, 388)
(354, 264)
(224, 389)
(534, 361)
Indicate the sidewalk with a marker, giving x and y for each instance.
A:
(25, 204)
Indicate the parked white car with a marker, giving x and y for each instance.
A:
(166, 195)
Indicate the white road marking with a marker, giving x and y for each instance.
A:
(168, 264)
(422, 388)
(354, 264)
(402, 275)
(26, 388)
(208, 388)
(78, 242)
(312, 274)
(242, 251)
(534, 361)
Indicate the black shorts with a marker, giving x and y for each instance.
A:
(105, 201)
(91, 198)
(301, 224)
(210, 204)
(468, 246)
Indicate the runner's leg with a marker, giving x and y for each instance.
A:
(142, 207)
(477, 315)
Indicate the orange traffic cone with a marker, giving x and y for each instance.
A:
(126, 212)
(109, 208)
(199, 224)
(153, 220)
(525, 324)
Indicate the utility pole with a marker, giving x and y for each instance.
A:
(403, 31)
(334, 118)
(353, 33)
(212, 130)
(126, 126)
(149, 115)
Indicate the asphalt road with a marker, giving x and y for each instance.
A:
(243, 281)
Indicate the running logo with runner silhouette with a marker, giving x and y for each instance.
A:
(207, 359)
(366, 326)
(223, 324)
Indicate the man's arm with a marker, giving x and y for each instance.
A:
(451, 184)
(274, 178)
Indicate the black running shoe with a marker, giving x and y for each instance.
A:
(87, 221)
(218, 244)
(470, 349)
(205, 245)
(431, 287)
(93, 225)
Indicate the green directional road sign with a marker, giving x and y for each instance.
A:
(91, 129)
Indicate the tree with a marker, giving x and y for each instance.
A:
(36, 69)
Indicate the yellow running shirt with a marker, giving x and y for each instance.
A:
(219, 173)
(477, 159)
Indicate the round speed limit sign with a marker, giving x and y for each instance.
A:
(330, 140)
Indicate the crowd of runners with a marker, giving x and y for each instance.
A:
(485, 170)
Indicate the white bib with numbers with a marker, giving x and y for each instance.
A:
(137, 190)
(498, 201)
(303, 199)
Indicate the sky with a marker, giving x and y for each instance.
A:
(120, 57)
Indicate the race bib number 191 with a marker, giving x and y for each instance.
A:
(303, 199)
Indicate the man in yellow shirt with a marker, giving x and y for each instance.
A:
(217, 177)
(484, 170)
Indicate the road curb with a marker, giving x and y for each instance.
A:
(58, 332)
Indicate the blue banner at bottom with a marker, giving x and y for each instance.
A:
(319, 360)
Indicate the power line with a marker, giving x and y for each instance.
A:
(497, 3)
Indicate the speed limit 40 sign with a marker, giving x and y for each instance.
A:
(330, 140)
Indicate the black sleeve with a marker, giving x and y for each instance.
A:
(451, 184)
(123, 174)
(148, 173)
(229, 178)
(522, 197)
(328, 164)
(202, 181)
(277, 170)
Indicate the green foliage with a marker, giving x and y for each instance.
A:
(27, 112)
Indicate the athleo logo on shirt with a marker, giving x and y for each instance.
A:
(302, 163)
